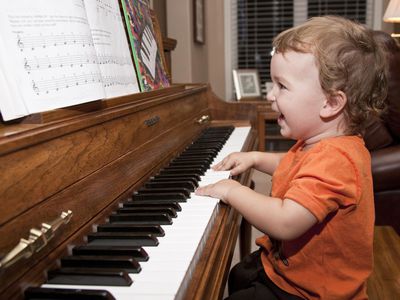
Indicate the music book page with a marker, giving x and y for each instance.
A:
(49, 59)
(112, 48)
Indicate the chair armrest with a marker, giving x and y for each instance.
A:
(386, 168)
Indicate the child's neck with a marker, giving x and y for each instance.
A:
(309, 143)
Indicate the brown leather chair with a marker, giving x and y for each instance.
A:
(382, 138)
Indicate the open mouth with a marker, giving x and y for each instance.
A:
(281, 117)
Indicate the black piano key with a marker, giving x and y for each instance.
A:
(189, 161)
(173, 170)
(190, 177)
(126, 263)
(188, 167)
(223, 136)
(170, 184)
(193, 182)
(141, 218)
(207, 156)
(216, 140)
(121, 239)
(137, 253)
(193, 158)
(163, 191)
(211, 152)
(153, 203)
(160, 210)
(227, 128)
(147, 195)
(91, 276)
(203, 146)
(39, 293)
(154, 230)
(208, 140)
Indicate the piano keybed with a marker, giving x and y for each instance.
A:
(150, 244)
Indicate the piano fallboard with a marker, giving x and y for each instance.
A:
(87, 159)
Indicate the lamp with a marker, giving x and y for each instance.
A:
(392, 14)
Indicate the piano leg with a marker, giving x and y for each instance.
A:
(245, 234)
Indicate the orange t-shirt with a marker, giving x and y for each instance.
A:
(334, 258)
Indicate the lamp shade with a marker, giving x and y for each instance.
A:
(392, 13)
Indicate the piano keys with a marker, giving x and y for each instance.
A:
(129, 185)
(168, 267)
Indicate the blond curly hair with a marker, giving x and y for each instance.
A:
(349, 59)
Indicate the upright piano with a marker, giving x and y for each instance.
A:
(90, 193)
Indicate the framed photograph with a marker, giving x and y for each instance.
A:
(247, 83)
(198, 17)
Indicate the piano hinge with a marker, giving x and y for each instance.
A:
(38, 238)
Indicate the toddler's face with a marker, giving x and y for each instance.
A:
(297, 95)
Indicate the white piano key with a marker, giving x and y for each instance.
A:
(172, 261)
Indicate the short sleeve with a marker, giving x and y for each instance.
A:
(326, 181)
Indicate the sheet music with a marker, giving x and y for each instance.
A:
(112, 47)
(50, 55)
(11, 104)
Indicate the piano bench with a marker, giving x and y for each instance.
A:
(384, 282)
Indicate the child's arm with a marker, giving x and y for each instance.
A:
(280, 219)
(238, 162)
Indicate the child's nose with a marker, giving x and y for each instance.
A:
(270, 96)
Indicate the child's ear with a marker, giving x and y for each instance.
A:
(333, 105)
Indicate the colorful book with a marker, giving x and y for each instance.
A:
(150, 69)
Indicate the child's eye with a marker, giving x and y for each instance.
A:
(281, 86)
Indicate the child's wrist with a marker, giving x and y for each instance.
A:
(254, 159)
(231, 191)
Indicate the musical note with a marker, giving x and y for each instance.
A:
(27, 66)
(20, 43)
(35, 88)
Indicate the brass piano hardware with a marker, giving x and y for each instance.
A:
(38, 238)
(203, 119)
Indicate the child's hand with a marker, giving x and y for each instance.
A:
(236, 162)
(219, 190)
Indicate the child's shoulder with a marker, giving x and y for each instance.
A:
(351, 146)
(345, 142)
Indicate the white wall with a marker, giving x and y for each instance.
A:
(189, 60)
(179, 28)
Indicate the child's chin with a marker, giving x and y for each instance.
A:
(284, 131)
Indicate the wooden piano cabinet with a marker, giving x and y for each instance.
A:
(91, 157)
